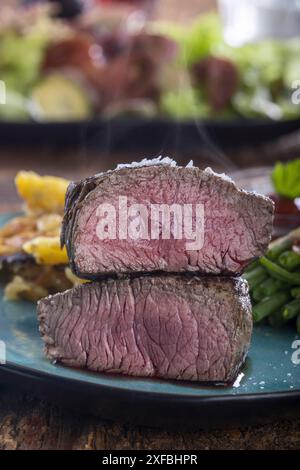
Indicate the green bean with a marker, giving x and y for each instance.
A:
(278, 248)
(289, 260)
(295, 292)
(269, 305)
(291, 310)
(280, 273)
(251, 266)
(268, 287)
(255, 277)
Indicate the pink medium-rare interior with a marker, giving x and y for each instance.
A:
(229, 238)
(149, 331)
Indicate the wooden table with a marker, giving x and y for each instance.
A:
(29, 423)
(26, 422)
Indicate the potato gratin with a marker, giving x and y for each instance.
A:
(31, 260)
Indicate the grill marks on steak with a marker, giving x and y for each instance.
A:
(238, 224)
(169, 326)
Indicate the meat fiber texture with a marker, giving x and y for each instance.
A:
(169, 326)
(237, 224)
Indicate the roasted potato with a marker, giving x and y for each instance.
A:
(42, 194)
(46, 250)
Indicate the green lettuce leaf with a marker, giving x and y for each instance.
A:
(20, 59)
(203, 38)
(197, 40)
(286, 179)
(15, 108)
(184, 104)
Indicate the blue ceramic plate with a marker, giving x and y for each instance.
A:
(270, 385)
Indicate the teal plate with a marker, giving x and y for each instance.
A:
(270, 385)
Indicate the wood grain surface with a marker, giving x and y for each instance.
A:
(28, 423)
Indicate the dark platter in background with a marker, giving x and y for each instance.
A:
(144, 135)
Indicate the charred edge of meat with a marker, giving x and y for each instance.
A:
(76, 192)
(239, 284)
(134, 274)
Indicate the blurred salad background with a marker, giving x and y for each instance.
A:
(74, 60)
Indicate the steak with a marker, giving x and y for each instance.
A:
(179, 327)
(236, 224)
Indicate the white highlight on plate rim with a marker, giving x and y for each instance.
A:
(238, 380)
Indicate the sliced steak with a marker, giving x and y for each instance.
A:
(237, 224)
(169, 326)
